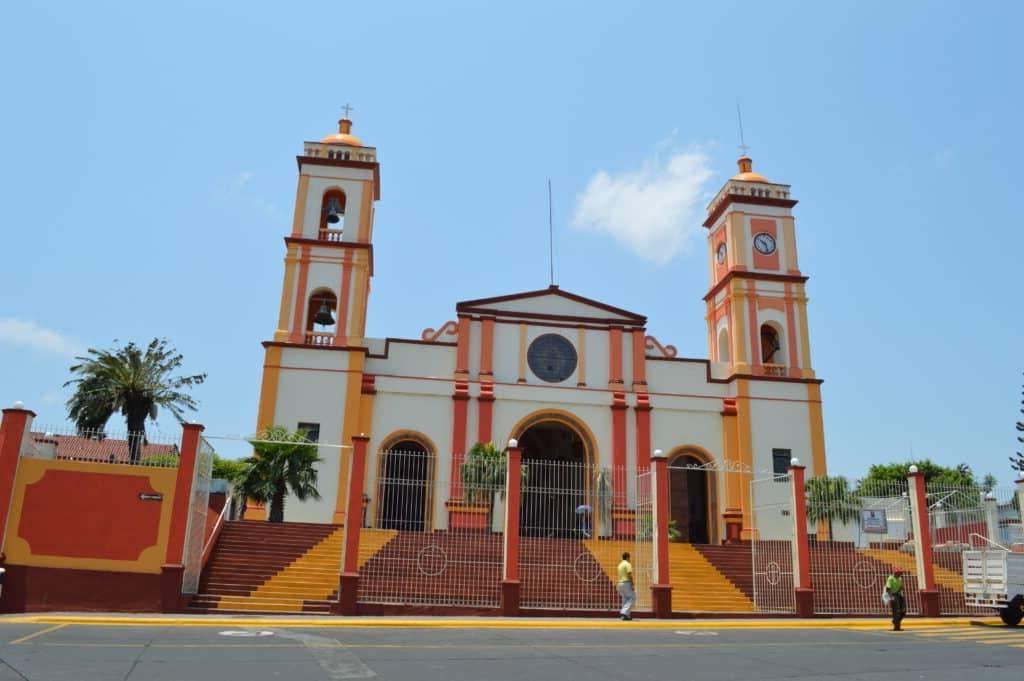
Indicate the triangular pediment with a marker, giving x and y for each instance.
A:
(551, 304)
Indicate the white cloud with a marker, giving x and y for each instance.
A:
(653, 211)
(238, 190)
(31, 335)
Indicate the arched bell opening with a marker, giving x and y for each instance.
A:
(321, 317)
(332, 215)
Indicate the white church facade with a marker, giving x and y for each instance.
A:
(573, 379)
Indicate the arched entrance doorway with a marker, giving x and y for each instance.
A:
(404, 487)
(689, 498)
(555, 485)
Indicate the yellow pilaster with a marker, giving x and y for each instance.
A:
(351, 425)
(745, 445)
(301, 192)
(817, 426)
(789, 234)
(357, 303)
(268, 388)
(737, 240)
(366, 214)
(800, 301)
(291, 260)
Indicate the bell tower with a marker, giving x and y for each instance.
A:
(329, 259)
(757, 305)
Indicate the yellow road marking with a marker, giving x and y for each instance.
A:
(39, 633)
(458, 646)
(492, 623)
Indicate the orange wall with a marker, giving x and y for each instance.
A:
(88, 516)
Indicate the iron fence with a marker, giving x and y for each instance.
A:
(771, 544)
(417, 551)
(64, 443)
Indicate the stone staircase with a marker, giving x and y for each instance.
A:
(710, 578)
(277, 567)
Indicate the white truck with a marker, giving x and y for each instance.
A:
(994, 578)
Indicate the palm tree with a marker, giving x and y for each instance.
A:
(482, 475)
(284, 462)
(830, 498)
(132, 381)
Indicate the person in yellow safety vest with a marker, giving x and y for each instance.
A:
(897, 602)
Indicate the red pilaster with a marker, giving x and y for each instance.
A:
(643, 432)
(15, 424)
(615, 358)
(510, 569)
(923, 540)
(348, 582)
(801, 548)
(486, 412)
(661, 587)
(460, 409)
(619, 448)
(183, 493)
(462, 349)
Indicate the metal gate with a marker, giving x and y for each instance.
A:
(199, 505)
(417, 551)
(771, 544)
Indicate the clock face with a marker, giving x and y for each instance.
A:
(721, 253)
(764, 243)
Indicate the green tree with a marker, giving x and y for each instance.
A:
(227, 469)
(1017, 462)
(131, 380)
(830, 499)
(958, 476)
(283, 462)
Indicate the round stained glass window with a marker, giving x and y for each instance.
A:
(552, 358)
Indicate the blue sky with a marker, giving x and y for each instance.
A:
(148, 177)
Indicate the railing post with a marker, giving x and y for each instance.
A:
(173, 568)
(348, 581)
(661, 584)
(510, 553)
(923, 543)
(803, 589)
(991, 518)
(14, 428)
(1020, 501)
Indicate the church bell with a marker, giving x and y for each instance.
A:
(323, 315)
(334, 211)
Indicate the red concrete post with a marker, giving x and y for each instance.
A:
(661, 585)
(183, 492)
(923, 543)
(803, 589)
(348, 581)
(173, 568)
(510, 568)
(13, 429)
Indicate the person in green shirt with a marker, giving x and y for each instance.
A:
(897, 602)
(625, 588)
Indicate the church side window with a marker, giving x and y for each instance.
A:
(312, 430)
(780, 463)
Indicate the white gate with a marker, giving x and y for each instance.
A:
(771, 544)
(198, 506)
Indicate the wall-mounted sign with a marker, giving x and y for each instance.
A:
(151, 497)
(873, 520)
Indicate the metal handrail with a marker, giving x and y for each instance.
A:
(972, 535)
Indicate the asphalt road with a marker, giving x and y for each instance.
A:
(42, 652)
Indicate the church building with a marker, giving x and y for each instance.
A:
(571, 378)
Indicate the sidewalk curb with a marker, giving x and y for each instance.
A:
(488, 623)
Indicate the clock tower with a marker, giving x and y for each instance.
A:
(757, 305)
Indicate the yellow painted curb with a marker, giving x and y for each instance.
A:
(495, 623)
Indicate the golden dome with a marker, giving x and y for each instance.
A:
(344, 135)
(747, 173)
